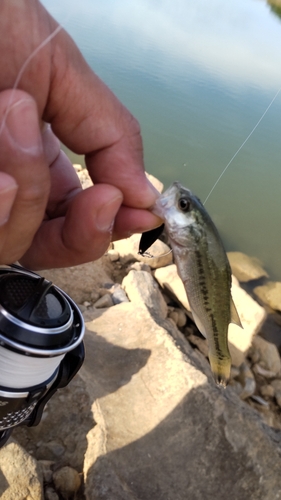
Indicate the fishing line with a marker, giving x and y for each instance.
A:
(243, 144)
(26, 63)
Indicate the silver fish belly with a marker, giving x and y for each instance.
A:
(203, 266)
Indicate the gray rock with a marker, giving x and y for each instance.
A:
(67, 481)
(104, 301)
(245, 268)
(51, 494)
(164, 430)
(47, 471)
(119, 295)
(247, 379)
(20, 476)
(270, 294)
(142, 289)
(268, 353)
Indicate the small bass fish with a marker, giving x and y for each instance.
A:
(203, 266)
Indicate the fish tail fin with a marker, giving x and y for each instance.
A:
(220, 370)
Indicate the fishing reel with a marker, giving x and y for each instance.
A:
(41, 348)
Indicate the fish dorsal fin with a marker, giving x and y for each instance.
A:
(234, 316)
(199, 325)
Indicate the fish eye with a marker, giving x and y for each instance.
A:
(184, 204)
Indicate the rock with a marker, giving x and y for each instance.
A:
(276, 384)
(128, 251)
(46, 467)
(170, 281)
(267, 391)
(51, 494)
(160, 419)
(200, 343)
(247, 379)
(142, 289)
(104, 301)
(252, 315)
(269, 355)
(51, 450)
(20, 476)
(259, 370)
(245, 268)
(78, 281)
(270, 294)
(113, 255)
(67, 481)
(62, 435)
(119, 295)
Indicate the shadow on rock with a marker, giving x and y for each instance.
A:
(219, 455)
(108, 367)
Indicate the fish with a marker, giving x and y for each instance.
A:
(203, 267)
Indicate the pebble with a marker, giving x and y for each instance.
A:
(113, 255)
(51, 494)
(94, 296)
(87, 303)
(119, 295)
(259, 370)
(269, 355)
(67, 481)
(260, 400)
(267, 391)
(46, 467)
(181, 318)
(247, 380)
(276, 384)
(104, 301)
(200, 343)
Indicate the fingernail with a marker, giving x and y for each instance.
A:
(107, 213)
(23, 126)
(8, 191)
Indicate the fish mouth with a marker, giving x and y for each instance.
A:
(165, 201)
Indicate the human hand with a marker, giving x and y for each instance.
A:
(46, 220)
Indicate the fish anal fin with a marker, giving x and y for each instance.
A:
(199, 325)
(234, 314)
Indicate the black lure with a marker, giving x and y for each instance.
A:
(149, 237)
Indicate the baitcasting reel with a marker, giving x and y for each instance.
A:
(41, 348)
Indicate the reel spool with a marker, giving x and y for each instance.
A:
(41, 348)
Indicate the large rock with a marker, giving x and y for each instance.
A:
(79, 281)
(164, 429)
(20, 475)
(270, 294)
(245, 268)
(252, 315)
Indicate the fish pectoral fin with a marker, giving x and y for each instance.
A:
(199, 324)
(234, 314)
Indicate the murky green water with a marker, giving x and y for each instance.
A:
(198, 76)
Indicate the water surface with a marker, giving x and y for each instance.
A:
(198, 76)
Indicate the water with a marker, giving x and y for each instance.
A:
(198, 76)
